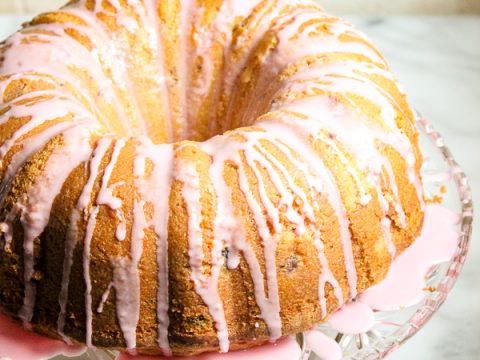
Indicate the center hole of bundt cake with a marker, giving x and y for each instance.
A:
(199, 125)
(206, 122)
(198, 129)
(197, 111)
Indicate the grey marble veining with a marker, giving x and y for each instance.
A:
(438, 61)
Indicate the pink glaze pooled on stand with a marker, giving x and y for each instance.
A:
(323, 346)
(352, 318)
(19, 344)
(405, 283)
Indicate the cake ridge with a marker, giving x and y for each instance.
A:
(72, 233)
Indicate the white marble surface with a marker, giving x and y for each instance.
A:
(364, 7)
(438, 61)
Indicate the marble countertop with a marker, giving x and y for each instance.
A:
(438, 61)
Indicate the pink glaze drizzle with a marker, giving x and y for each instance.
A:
(155, 189)
(104, 197)
(35, 207)
(72, 233)
(206, 287)
(295, 139)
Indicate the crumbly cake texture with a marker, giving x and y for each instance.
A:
(183, 176)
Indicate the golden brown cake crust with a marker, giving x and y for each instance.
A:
(198, 176)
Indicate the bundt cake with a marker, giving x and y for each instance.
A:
(182, 176)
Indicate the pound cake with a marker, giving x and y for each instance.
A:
(185, 176)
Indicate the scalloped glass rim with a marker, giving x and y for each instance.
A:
(393, 328)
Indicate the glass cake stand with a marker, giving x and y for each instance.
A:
(442, 177)
(393, 328)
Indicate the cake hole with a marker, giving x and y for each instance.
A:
(291, 263)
